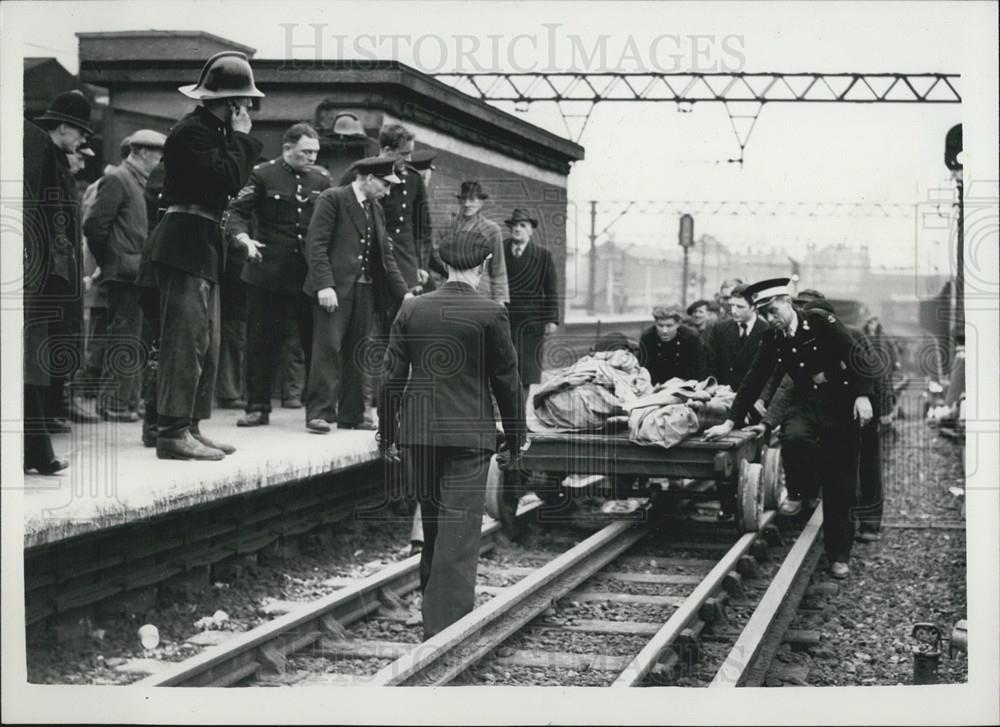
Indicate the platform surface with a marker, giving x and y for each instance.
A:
(113, 480)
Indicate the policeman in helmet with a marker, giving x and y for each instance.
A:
(208, 158)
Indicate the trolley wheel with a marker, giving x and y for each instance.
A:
(502, 496)
(751, 497)
(771, 476)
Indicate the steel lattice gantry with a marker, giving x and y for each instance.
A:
(738, 91)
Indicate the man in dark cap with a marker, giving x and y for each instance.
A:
(352, 273)
(280, 195)
(781, 411)
(830, 393)
(53, 275)
(448, 350)
(116, 228)
(534, 303)
(208, 157)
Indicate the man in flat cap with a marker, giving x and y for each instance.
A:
(534, 303)
(448, 351)
(352, 274)
(281, 196)
(831, 390)
(53, 303)
(116, 228)
(208, 157)
(471, 224)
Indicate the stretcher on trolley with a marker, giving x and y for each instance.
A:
(740, 461)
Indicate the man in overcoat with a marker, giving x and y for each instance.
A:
(52, 275)
(208, 157)
(352, 274)
(534, 304)
(449, 350)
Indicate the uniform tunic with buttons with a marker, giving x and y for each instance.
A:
(819, 438)
(821, 344)
(408, 223)
(281, 201)
(682, 356)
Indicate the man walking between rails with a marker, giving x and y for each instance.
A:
(280, 196)
(831, 392)
(208, 157)
(448, 350)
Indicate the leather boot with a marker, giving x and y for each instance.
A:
(254, 419)
(187, 447)
(224, 448)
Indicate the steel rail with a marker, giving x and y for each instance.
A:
(452, 651)
(751, 654)
(637, 669)
(274, 641)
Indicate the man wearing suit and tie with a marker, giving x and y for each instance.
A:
(534, 307)
(448, 350)
(731, 344)
(352, 275)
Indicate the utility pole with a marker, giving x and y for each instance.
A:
(592, 281)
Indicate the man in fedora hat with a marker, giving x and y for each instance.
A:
(352, 274)
(208, 157)
(472, 225)
(449, 354)
(53, 276)
(831, 390)
(534, 304)
(116, 228)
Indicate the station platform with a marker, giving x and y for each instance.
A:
(113, 480)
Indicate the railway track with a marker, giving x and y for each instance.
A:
(638, 602)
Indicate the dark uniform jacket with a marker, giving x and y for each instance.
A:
(52, 247)
(821, 345)
(454, 347)
(117, 224)
(281, 201)
(728, 355)
(531, 280)
(407, 221)
(867, 359)
(682, 356)
(205, 164)
(335, 247)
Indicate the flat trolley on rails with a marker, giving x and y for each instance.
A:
(740, 460)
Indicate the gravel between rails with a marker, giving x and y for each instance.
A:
(354, 549)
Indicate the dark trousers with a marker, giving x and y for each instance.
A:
(335, 386)
(64, 344)
(819, 451)
(451, 488)
(267, 316)
(89, 377)
(230, 379)
(869, 510)
(37, 443)
(188, 351)
(124, 352)
(290, 381)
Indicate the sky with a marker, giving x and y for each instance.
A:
(647, 151)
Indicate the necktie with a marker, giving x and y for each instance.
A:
(518, 250)
(743, 330)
